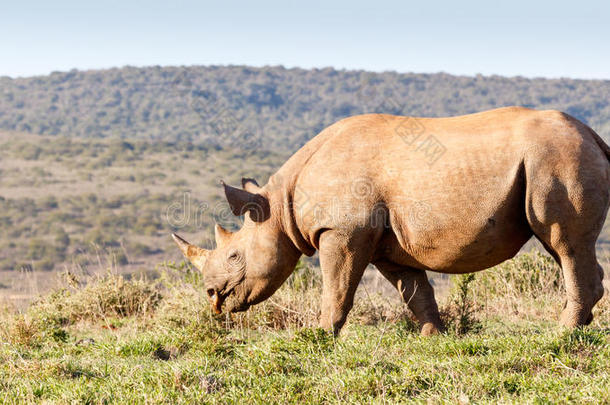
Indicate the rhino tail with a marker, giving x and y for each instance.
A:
(600, 142)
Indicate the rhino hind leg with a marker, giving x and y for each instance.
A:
(567, 218)
(583, 278)
(417, 292)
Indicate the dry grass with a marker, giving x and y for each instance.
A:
(111, 339)
(527, 287)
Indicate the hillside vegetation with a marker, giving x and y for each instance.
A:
(66, 200)
(269, 108)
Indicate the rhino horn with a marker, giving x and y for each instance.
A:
(242, 201)
(221, 235)
(195, 254)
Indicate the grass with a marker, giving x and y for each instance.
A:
(533, 364)
(113, 340)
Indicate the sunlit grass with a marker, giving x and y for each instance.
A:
(136, 341)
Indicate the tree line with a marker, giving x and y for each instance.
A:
(269, 108)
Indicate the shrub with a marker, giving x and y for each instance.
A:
(46, 264)
(37, 249)
(140, 250)
(98, 236)
(530, 274)
(103, 297)
(531, 283)
(49, 203)
(20, 330)
(62, 239)
(28, 151)
(460, 313)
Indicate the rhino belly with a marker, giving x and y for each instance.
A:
(465, 230)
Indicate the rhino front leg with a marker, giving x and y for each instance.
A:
(417, 292)
(343, 259)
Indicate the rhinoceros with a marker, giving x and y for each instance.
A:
(409, 195)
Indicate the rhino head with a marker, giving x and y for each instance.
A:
(248, 265)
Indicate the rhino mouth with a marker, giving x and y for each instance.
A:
(235, 304)
(230, 300)
(240, 307)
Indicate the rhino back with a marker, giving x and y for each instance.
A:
(449, 191)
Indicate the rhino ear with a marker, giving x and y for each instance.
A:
(195, 254)
(242, 201)
(250, 185)
(221, 235)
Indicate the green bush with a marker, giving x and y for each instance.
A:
(62, 239)
(28, 151)
(460, 315)
(101, 237)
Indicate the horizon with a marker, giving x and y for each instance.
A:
(231, 65)
(548, 39)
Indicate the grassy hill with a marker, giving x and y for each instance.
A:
(269, 108)
(62, 199)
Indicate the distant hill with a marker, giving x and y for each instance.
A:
(67, 196)
(271, 108)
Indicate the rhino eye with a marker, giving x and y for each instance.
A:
(234, 259)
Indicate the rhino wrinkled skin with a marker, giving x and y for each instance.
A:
(451, 195)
